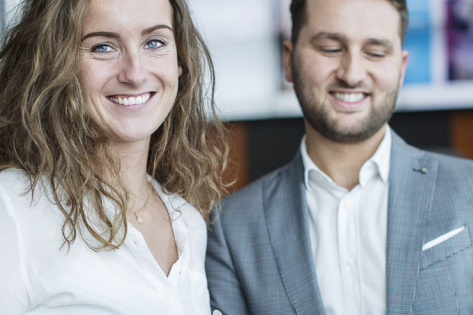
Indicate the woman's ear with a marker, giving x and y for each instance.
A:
(179, 67)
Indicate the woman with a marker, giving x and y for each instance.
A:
(103, 138)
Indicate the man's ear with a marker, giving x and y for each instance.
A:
(405, 57)
(287, 51)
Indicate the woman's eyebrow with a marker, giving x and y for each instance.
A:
(104, 34)
(156, 27)
(115, 35)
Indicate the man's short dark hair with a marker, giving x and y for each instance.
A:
(299, 17)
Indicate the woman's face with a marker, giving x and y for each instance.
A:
(129, 66)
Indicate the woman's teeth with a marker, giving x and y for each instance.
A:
(122, 100)
(349, 97)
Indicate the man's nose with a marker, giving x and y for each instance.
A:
(133, 70)
(352, 69)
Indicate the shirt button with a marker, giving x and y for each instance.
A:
(349, 262)
(217, 312)
(168, 295)
(135, 242)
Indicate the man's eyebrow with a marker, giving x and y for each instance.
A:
(342, 38)
(380, 42)
(156, 27)
(104, 34)
(327, 35)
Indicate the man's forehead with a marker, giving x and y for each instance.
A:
(337, 3)
(354, 18)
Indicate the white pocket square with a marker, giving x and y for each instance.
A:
(442, 238)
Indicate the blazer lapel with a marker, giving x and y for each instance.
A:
(287, 222)
(412, 184)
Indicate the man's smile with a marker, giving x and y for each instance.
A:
(349, 97)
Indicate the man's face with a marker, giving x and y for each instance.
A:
(347, 67)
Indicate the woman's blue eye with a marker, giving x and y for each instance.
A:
(101, 49)
(154, 44)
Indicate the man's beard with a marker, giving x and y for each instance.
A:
(319, 118)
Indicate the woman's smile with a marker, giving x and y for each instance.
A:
(128, 100)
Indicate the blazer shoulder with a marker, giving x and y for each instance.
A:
(450, 166)
(454, 175)
(249, 199)
(456, 166)
(253, 191)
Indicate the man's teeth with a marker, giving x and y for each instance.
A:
(131, 100)
(349, 97)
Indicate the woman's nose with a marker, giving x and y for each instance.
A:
(133, 69)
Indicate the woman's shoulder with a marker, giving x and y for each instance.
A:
(12, 176)
(19, 199)
(25, 211)
(14, 182)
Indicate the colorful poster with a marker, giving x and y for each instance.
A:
(418, 42)
(459, 33)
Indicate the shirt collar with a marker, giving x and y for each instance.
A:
(382, 156)
(380, 159)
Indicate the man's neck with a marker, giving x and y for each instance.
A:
(340, 161)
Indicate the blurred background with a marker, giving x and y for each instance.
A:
(435, 106)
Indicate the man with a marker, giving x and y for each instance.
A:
(359, 222)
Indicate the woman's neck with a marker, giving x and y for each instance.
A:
(133, 159)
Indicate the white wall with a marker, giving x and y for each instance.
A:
(9, 6)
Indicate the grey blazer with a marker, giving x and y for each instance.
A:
(259, 259)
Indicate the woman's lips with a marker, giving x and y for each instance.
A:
(130, 100)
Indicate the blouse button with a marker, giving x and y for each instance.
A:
(168, 295)
(349, 262)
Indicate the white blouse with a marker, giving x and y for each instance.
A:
(37, 276)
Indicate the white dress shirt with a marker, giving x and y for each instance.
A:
(348, 234)
(38, 277)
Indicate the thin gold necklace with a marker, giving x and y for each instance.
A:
(139, 219)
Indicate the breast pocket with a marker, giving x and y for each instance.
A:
(446, 246)
(445, 274)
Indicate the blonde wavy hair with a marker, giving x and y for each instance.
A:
(45, 129)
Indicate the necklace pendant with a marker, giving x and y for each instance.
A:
(139, 219)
